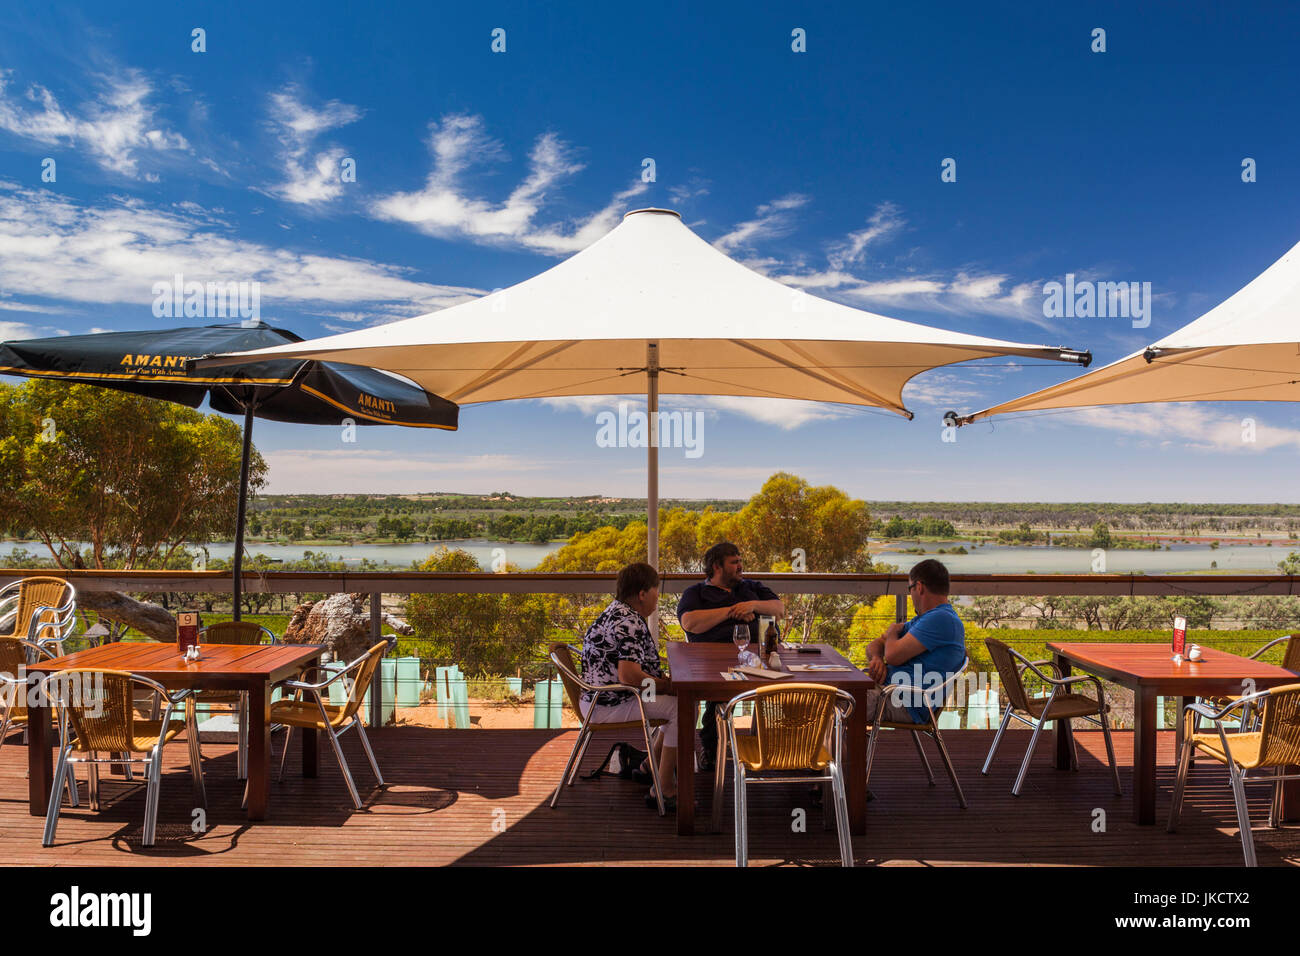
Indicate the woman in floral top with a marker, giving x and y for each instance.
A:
(619, 649)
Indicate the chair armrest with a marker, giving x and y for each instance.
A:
(315, 685)
(1273, 643)
(40, 648)
(62, 616)
(310, 669)
(604, 687)
(1058, 680)
(1076, 678)
(591, 688)
(1209, 713)
(318, 685)
(304, 685)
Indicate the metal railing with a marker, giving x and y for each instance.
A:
(864, 586)
(535, 582)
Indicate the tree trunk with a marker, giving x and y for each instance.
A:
(149, 619)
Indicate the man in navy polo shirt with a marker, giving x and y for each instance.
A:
(710, 611)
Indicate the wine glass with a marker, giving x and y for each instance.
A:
(740, 635)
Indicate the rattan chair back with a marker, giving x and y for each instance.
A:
(361, 681)
(234, 632)
(1005, 662)
(1280, 730)
(562, 657)
(790, 721)
(1291, 656)
(100, 706)
(39, 592)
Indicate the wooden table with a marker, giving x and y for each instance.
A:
(247, 667)
(696, 671)
(1148, 671)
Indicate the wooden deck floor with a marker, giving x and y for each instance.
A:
(479, 797)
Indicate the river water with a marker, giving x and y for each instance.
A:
(987, 559)
(1019, 559)
(526, 556)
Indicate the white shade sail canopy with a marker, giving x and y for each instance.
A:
(1246, 349)
(653, 307)
(584, 327)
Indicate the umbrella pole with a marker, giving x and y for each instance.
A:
(652, 467)
(238, 563)
(652, 455)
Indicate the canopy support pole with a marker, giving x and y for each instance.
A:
(652, 454)
(238, 563)
(652, 467)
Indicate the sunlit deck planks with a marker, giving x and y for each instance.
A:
(479, 797)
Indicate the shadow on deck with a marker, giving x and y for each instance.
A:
(480, 797)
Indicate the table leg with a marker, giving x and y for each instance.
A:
(1064, 741)
(686, 707)
(855, 767)
(1144, 756)
(310, 750)
(259, 751)
(40, 760)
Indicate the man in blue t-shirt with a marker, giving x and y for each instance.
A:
(924, 651)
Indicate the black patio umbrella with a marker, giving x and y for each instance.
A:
(155, 363)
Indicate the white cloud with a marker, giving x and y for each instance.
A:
(786, 414)
(966, 292)
(445, 208)
(591, 405)
(115, 128)
(963, 294)
(939, 390)
(55, 248)
(683, 193)
(311, 177)
(1191, 425)
(17, 330)
(885, 221)
(8, 305)
(771, 220)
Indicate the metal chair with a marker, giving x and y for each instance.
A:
(930, 728)
(333, 720)
(40, 609)
(1290, 661)
(1060, 704)
(15, 655)
(1275, 745)
(788, 746)
(233, 632)
(574, 686)
(97, 714)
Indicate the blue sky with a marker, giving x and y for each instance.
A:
(476, 170)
